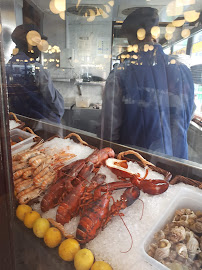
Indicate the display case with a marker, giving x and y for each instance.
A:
(108, 91)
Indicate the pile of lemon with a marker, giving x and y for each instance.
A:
(69, 249)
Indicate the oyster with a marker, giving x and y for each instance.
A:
(177, 234)
(163, 251)
(181, 250)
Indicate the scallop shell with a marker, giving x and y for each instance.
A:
(177, 234)
(181, 250)
(164, 252)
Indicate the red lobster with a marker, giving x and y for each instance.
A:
(153, 187)
(80, 169)
(98, 213)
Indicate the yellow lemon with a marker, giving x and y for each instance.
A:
(22, 210)
(83, 259)
(100, 265)
(30, 218)
(52, 237)
(68, 248)
(40, 227)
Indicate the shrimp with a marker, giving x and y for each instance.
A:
(28, 173)
(20, 166)
(38, 178)
(19, 173)
(18, 181)
(26, 156)
(48, 180)
(23, 185)
(27, 195)
(43, 166)
(37, 160)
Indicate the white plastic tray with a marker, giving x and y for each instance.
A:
(186, 198)
(26, 136)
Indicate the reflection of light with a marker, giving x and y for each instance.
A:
(185, 33)
(178, 23)
(173, 9)
(62, 15)
(45, 68)
(104, 14)
(141, 33)
(123, 56)
(33, 38)
(135, 56)
(155, 31)
(92, 15)
(128, 56)
(108, 9)
(31, 59)
(135, 48)
(17, 60)
(45, 60)
(168, 36)
(53, 8)
(43, 45)
(173, 61)
(111, 3)
(57, 65)
(151, 47)
(146, 47)
(170, 29)
(26, 61)
(191, 16)
(15, 51)
(60, 5)
(130, 48)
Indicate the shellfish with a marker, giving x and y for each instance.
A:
(163, 251)
(177, 234)
(181, 250)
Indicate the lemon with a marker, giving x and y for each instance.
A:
(83, 259)
(22, 210)
(52, 237)
(100, 265)
(40, 227)
(68, 248)
(30, 218)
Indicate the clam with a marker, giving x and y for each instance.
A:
(181, 250)
(177, 234)
(163, 250)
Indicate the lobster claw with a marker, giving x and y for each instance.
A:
(154, 187)
(129, 196)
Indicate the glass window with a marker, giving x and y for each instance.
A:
(123, 74)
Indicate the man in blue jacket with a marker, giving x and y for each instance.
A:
(30, 89)
(148, 100)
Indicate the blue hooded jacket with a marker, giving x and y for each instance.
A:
(30, 90)
(148, 102)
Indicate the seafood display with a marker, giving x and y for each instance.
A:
(34, 171)
(92, 191)
(178, 245)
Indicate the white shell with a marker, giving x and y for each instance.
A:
(177, 234)
(192, 245)
(181, 250)
(162, 253)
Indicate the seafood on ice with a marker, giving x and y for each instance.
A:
(184, 242)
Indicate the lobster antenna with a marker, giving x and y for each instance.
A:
(142, 208)
(129, 234)
(127, 230)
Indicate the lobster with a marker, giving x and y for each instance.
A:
(70, 175)
(149, 186)
(98, 213)
(70, 205)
